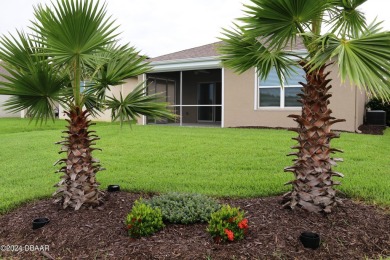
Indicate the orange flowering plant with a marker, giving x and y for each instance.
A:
(228, 224)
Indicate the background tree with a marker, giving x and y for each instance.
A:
(266, 39)
(72, 58)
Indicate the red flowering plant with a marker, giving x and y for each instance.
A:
(143, 220)
(228, 224)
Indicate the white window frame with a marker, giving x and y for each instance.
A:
(282, 95)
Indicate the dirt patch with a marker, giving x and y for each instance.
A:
(353, 231)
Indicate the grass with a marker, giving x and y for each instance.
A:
(212, 161)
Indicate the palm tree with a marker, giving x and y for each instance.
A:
(266, 39)
(72, 58)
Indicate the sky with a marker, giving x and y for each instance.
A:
(157, 27)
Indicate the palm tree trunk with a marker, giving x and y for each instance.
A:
(313, 185)
(78, 185)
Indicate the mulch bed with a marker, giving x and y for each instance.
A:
(352, 231)
(372, 129)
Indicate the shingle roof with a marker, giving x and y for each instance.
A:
(209, 50)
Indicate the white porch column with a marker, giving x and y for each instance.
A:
(144, 81)
(223, 97)
(181, 98)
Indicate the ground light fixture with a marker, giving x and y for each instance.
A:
(39, 222)
(113, 188)
(310, 239)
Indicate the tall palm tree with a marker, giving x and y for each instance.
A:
(265, 40)
(72, 58)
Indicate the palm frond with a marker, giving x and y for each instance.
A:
(31, 80)
(137, 103)
(92, 102)
(73, 28)
(326, 49)
(71, 32)
(15, 50)
(346, 19)
(363, 60)
(113, 65)
(241, 53)
(279, 22)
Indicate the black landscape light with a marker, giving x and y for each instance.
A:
(310, 240)
(40, 222)
(113, 188)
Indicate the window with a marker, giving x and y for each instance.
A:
(271, 94)
(84, 85)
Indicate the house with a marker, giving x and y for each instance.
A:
(3, 99)
(3, 112)
(125, 89)
(202, 92)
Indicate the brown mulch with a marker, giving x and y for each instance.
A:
(353, 231)
(372, 129)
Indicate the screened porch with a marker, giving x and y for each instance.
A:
(195, 96)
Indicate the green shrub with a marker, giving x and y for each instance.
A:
(143, 220)
(228, 224)
(379, 104)
(183, 208)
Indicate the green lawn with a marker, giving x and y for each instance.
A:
(213, 161)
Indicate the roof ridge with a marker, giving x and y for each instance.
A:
(207, 50)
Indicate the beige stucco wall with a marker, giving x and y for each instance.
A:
(239, 104)
(361, 100)
(4, 113)
(347, 103)
(114, 91)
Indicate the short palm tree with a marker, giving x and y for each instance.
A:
(264, 40)
(72, 58)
